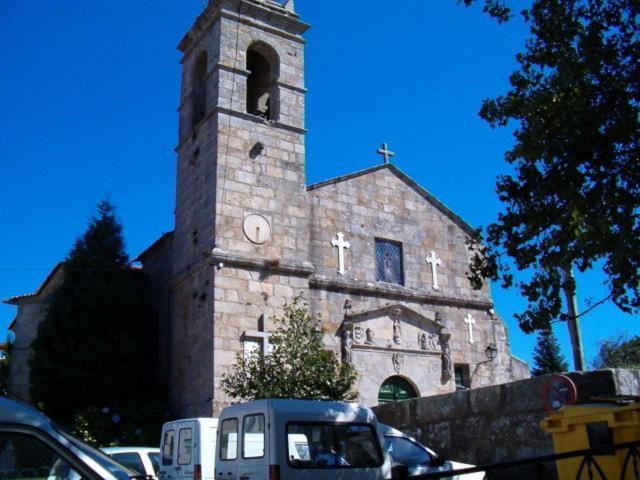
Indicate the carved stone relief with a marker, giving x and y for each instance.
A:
(347, 346)
(370, 337)
(447, 366)
(358, 335)
(398, 361)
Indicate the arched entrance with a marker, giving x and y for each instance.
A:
(395, 389)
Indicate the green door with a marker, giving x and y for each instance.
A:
(395, 389)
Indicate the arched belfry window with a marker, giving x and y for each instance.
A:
(199, 90)
(262, 90)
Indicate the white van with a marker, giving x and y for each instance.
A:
(300, 439)
(187, 449)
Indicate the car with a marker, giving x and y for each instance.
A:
(144, 460)
(419, 459)
(33, 446)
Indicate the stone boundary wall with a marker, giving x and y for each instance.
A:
(498, 423)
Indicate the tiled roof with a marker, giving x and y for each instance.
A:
(13, 300)
(153, 246)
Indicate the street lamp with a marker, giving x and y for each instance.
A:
(491, 352)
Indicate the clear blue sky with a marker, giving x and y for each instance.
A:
(89, 91)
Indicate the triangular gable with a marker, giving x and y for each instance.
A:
(392, 328)
(397, 310)
(415, 186)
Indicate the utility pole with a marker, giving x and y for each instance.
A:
(573, 321)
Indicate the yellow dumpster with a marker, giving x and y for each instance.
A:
(596, 427)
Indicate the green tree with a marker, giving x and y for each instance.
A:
(94, 356)
(574, 197)
(547, 355)
(4, 370)
(297, 365)
(620, 352)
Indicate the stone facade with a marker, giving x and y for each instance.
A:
(32, 308)
(250, 235)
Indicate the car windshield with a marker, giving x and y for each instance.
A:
(113, 467)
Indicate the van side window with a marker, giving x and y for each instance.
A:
(184, 446)
(322, 445)
(229, 439)
(253, 436)
(167, 449)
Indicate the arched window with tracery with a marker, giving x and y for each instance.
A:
(262, 82)
(199, 90)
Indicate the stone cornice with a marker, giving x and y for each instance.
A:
(389, 291)
(277, 16)
(256, 119)
(301, 269)
(395, 349)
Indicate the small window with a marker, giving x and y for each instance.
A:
(320, 445)
(389, 262)
(155, 459)
(405, 452)
(229, 439)
(131, 460)
(253, 436)
(167, 449)
(461, 373)
(199, 90)
(185, 444)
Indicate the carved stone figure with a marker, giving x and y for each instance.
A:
(358, 335)
(439, 317)
(347, 346)
(397, 333)
(434, 341)
(370, 337)
(447, 366)
(423, 341)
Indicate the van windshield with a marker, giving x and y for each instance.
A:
(326, 445)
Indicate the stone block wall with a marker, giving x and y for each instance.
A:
(498, 423)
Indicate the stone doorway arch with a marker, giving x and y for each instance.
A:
(396, 388)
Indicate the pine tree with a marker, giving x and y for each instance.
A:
(547, 355)
(94, 358)
(297, 365)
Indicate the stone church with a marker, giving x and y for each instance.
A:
(382, 260)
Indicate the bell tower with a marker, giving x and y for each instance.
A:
(241, 201)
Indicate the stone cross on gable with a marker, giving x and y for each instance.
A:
(386, 152)
(341, 244)
(470, 321)
(434, 261)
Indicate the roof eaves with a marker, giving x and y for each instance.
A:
(153, 246)
(16, 298)
(342, 178)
